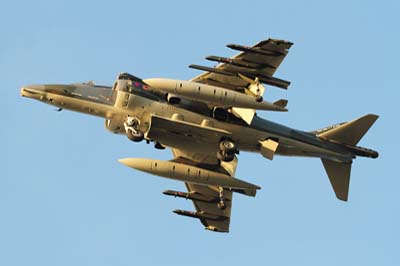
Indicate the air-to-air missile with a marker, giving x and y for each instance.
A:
(211, 94)
(189, 173)
(191, 195)
(201, 215)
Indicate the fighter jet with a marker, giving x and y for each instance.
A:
(207, 121)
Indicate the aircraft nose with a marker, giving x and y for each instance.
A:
(24, 91)
(31, 91)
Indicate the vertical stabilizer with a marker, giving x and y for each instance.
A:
(339, 175)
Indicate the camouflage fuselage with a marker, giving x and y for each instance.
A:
(115, 105)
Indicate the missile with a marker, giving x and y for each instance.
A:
(238, 62)
(191, 195)
(188, 173)
(280, 83)
(210, 94)
(205, 216)
(200, 215)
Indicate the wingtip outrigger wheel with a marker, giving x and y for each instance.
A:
(221, 203)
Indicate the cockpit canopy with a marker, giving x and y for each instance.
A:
(127, 76)
(128, 83)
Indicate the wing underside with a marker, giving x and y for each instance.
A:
(215, 218)
(245, 71)
(259, 61)
(205, 198)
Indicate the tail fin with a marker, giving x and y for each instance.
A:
(350, 132)
(339, 175)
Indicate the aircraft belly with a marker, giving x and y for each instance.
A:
(189, 133)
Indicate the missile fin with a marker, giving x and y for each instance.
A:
(281, 103)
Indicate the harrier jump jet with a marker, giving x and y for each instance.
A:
(207, 121)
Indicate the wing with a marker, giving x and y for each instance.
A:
(197, 145)
(259, 61)
(207, 197)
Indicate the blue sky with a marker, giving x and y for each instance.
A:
(65, 199)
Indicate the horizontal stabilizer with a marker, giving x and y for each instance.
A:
(339, 175)
(350, 132)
